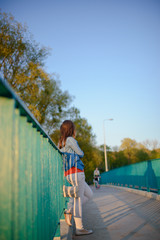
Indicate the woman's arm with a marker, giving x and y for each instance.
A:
(72, 143)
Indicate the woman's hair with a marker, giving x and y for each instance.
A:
(66, 130)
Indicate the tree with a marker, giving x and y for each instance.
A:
(18, 52)
(141, 155)
(128, 146)
(117, 159)
(151, 144)
(53, 105)
(22, 65)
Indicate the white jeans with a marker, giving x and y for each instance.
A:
(85, 193)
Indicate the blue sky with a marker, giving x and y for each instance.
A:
(107, 55)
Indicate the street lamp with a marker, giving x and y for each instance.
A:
(105, 152)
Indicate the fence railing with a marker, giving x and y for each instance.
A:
(31, 174)
(143, 176)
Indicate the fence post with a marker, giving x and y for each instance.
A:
(6, 133)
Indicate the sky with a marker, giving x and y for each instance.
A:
(106, 54)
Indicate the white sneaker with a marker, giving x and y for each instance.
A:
(83, 232)
(68, 217)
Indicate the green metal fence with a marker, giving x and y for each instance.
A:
(143, 176)
(31, 174)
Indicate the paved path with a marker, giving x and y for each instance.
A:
(116, 214)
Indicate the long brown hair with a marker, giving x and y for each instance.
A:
(67, 129)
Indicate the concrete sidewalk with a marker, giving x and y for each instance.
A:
(116, 214)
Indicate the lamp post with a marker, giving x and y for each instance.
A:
(105, 152)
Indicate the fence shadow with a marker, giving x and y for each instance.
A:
(92, 219)
(120, 215)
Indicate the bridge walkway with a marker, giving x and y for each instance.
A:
(116, 214)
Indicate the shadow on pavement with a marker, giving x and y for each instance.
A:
(92, 219)
(115, 214)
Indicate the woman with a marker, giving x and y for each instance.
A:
(74, 174)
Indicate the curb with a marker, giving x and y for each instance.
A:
(65, 230)
(140, 192)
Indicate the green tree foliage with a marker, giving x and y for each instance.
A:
(21, 64)
(19, 55)
(131, 152)
(141, 155)
(117, 159)
(128, 146)
(53, 105)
